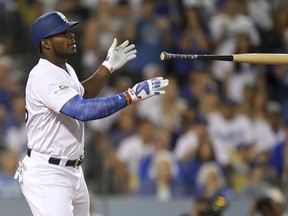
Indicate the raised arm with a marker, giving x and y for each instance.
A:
(117, 57)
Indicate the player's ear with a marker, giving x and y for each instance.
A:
(45, 44)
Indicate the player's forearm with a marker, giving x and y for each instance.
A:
(94, 108)
(95, 83)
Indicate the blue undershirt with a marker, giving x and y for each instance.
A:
(93, 108)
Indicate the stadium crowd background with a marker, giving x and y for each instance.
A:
(221, 128)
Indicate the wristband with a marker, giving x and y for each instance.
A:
(108, 65)
(128, 97)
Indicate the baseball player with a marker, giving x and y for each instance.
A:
(57, 105)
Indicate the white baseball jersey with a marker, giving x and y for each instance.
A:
(227, 134)
(50, 132)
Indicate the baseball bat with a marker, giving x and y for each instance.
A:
(251, 58)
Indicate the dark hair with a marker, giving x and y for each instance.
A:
(265, 206)
(198, 149)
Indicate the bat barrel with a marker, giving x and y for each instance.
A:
(262, 58)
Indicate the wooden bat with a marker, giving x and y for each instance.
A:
(251, 58)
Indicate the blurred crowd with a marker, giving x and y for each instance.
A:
(219, 131)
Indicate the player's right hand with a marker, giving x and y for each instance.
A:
(119, 55)
(147, 88)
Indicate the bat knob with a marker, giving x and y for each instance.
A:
(163, 56)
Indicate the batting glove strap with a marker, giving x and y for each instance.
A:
(146, 89)
(119, 55)
(128, 96)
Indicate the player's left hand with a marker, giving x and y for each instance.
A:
(147, 88)
(119, 55)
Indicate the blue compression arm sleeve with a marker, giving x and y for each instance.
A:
(93, 108)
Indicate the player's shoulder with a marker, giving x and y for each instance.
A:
(43, 70)
(41, 67)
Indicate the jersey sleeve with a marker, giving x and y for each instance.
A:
(53, 91)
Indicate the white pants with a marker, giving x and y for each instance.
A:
(53, 190)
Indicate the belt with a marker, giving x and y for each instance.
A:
(56, 161)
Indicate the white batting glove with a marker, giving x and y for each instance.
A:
(120, 55)
(146, 89)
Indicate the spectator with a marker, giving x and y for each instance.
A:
(260, 12)
(280, 23)
(190, 167)
(279, 163)
(165, 111)
(102, 168)
(8, 186)
(272, 202)
(7, 86)
(208, 7)
(124, 127)
(280, 75)
(193, 87)
(228, 22)
(192, 37)
(134, 148)
(165, 185)
(19, 16)
(260, 178)
(125, 21)
(209, 101)
(98, 30)
(227, 129)
(172, 10)
(162, 143)
(184, 123)
(3, 127)
(188, 142)
(211, 183)
(16, 138)
(240, 168)
(150, 35)
(234, 76)
(247, 107)
(270, 130)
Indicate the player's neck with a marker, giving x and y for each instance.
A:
(56, 61)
